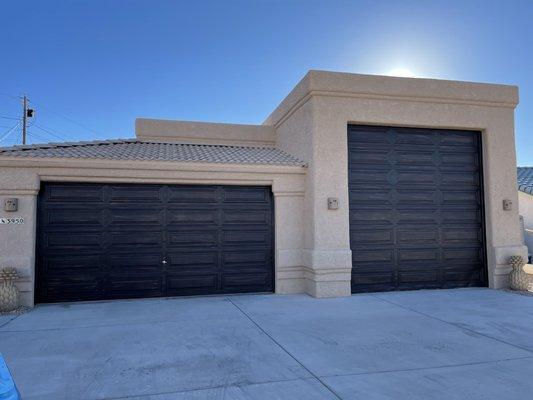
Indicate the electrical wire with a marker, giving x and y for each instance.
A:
(6, 117)
(10, 96)
(53, 133)
(66, 118)
(34, 135)
(6, 134)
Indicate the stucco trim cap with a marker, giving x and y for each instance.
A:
(325, 83)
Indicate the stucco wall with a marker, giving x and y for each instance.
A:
(161, 130)
(21, 178)
(312, 243)
(328, 102)
(525, 206)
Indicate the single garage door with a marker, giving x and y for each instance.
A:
(416, 208)
(108, 241)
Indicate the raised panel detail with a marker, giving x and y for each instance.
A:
(415, 208)
(110, 241)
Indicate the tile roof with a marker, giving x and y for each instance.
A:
(133, 149)
(525, 179)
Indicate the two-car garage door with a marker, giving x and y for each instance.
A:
(107, 241)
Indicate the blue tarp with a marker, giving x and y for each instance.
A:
(8, 390)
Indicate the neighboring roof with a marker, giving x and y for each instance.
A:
(525, 179)
(133, 149)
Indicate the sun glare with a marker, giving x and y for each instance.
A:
(402, 72)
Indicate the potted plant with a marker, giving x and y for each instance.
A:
(9, 293)
(518, 278)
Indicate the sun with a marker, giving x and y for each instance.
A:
(401, 72)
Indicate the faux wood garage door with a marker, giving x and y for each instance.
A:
(416, 211)
(108, 241)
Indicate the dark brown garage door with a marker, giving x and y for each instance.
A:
(416, 212)
(107, 241)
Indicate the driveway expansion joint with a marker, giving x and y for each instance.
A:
(326, 386)
(428, 368)
(377, 296)
(198, 389)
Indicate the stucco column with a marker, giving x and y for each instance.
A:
(289, 213)
(504, 236)
(17, 247)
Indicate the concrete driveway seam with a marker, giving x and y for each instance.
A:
(428, 368)
(285, 350)
(453, 324)
(198, 389)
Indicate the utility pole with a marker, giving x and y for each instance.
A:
(24, 118)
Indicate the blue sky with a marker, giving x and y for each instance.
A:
(91, 67)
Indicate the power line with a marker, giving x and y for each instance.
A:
(8, 117)
(33, 134)
(67, 118)
(54, 134)
(6, 134)
(10, 96)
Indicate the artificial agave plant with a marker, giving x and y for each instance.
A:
(9, 293)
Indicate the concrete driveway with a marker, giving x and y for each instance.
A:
(443, 344)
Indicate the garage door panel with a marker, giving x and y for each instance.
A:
(419, 255)
(74, 193)
(459, 178)
(414, 197)
(61, 264)
(381, 217)
(376, 278)
(136, 261)
(375, 255)
(418, 158)
(72, 241)
(192, 261)
(420, 216)
(370, 177)
(246, 217)
(246, 195)
(73, 288)
(135, 194)
(135, 216)
(119, 286)
(377, 236)
(246, 282)
(246, 238)
(363, 156)
(425, 277)
(462, 217)
(187, 217)
(413, 178)
(74, 217)
(373, 197)
(462, 235)
(467, 197)
(418, 236)
(137, 239)
(460, 160)
(464, 140)
(195, 239)
(192, 284)
(415, 208)
(251, 259)
(152, 240)
(193, 194)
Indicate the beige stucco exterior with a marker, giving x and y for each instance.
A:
(312, 250)
(525, 207)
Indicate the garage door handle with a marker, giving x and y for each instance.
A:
(164, 262)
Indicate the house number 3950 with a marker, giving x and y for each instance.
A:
(8, 221)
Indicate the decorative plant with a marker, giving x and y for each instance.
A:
(518, 279)
(9, 293)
